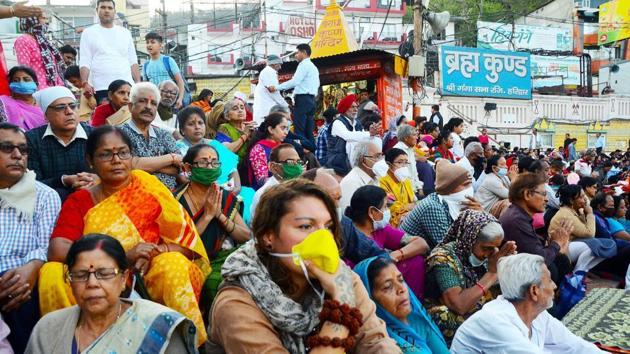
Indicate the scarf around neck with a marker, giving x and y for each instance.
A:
(52, 59)
(22, 196)
(294, 321)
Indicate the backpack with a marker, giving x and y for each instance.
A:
(167, 64)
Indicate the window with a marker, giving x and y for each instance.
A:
(592, 139)
(546, 139)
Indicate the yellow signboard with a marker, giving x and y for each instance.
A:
(614, 19)
(333, 35)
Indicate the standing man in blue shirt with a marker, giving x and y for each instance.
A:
(305, 83)
(162, 67)
(600, 143)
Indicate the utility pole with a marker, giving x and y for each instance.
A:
(192, 11)
(418, 59)
(264, 7)
(162, 13)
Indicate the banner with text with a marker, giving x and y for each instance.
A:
(555, 71)
(493, 35)
(485, 73)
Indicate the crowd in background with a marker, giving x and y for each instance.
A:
(135, 218)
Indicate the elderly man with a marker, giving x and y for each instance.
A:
(473, 158)
(57, 150)
(263, 99)
(28, 211)
(517, 321)
(432, 216)
(345, 132)
(167, 119)
(407, 140)
(364, 156)
(149, 141)
(355, 245)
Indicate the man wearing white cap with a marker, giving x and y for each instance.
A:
(263, 99)
(57, 150)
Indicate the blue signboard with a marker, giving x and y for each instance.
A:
(485, 73)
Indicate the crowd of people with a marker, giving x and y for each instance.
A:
(136, 219)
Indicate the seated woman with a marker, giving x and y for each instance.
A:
(617, 221)
(369, 213)
(397, 183)
(408, 323)
(135, 208)
(236, 133)
(585, 251)
(604, 206)
(494, 190)
(272, 296)
(217, 213)
(102, 321)
(20, 108)
(270, 134)
(116, 111)
(462, 269)
(444, 144)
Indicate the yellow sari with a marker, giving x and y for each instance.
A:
(403, 195)
(144, 211)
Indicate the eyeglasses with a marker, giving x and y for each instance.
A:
(109, 155)
(81, 276)
(168, 93)
(544, 194)
(9, 148)
(293, 162)
(64, 106)
(206, 164)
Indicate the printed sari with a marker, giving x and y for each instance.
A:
(22, 114)
(217, 242)
(144, 211)
(404, 198)
(228, 134)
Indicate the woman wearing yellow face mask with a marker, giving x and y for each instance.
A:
(266, 292)
(217, 213)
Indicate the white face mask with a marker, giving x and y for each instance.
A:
(380, 224)
(380, 168)
(402, 174)
(454, 201)
(476, 262)
(339, 213)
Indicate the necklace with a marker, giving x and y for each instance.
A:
(191, 196)
(81, 326)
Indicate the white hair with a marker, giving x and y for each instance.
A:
(142, 87)
(280, 108)
(472, 147)
(517, 273)
(404, 131)
(165, 82)
(490, 232)
(361, 149)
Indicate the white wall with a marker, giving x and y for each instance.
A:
(619, 80)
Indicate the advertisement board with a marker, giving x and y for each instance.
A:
(493, 35)
(555, 71)
(614, 17)
(485, 73)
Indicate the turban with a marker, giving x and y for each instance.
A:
(344, 105)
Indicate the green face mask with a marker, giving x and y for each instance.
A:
(205, 176)
(291, 171)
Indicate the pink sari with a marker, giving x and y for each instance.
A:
(20, 113)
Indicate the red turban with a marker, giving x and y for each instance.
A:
(344, 105)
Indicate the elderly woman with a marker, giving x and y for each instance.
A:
(398, 184)
(134, 207)
(20, 108)
(462, 269)
(236, 133)
(217, 213)
(585, 251)
(34, 50)
(408, 323)
(407, 141)
(102, 321)
(369, 212)
(275, 285)
(270, 133)
(495, 188)
(116, 111)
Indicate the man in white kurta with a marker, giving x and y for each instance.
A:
(263, 99)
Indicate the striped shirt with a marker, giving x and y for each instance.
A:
(22, 240)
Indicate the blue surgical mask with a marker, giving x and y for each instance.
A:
(380, 224)
(23, 87)
(476, 262)
(502, 172)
